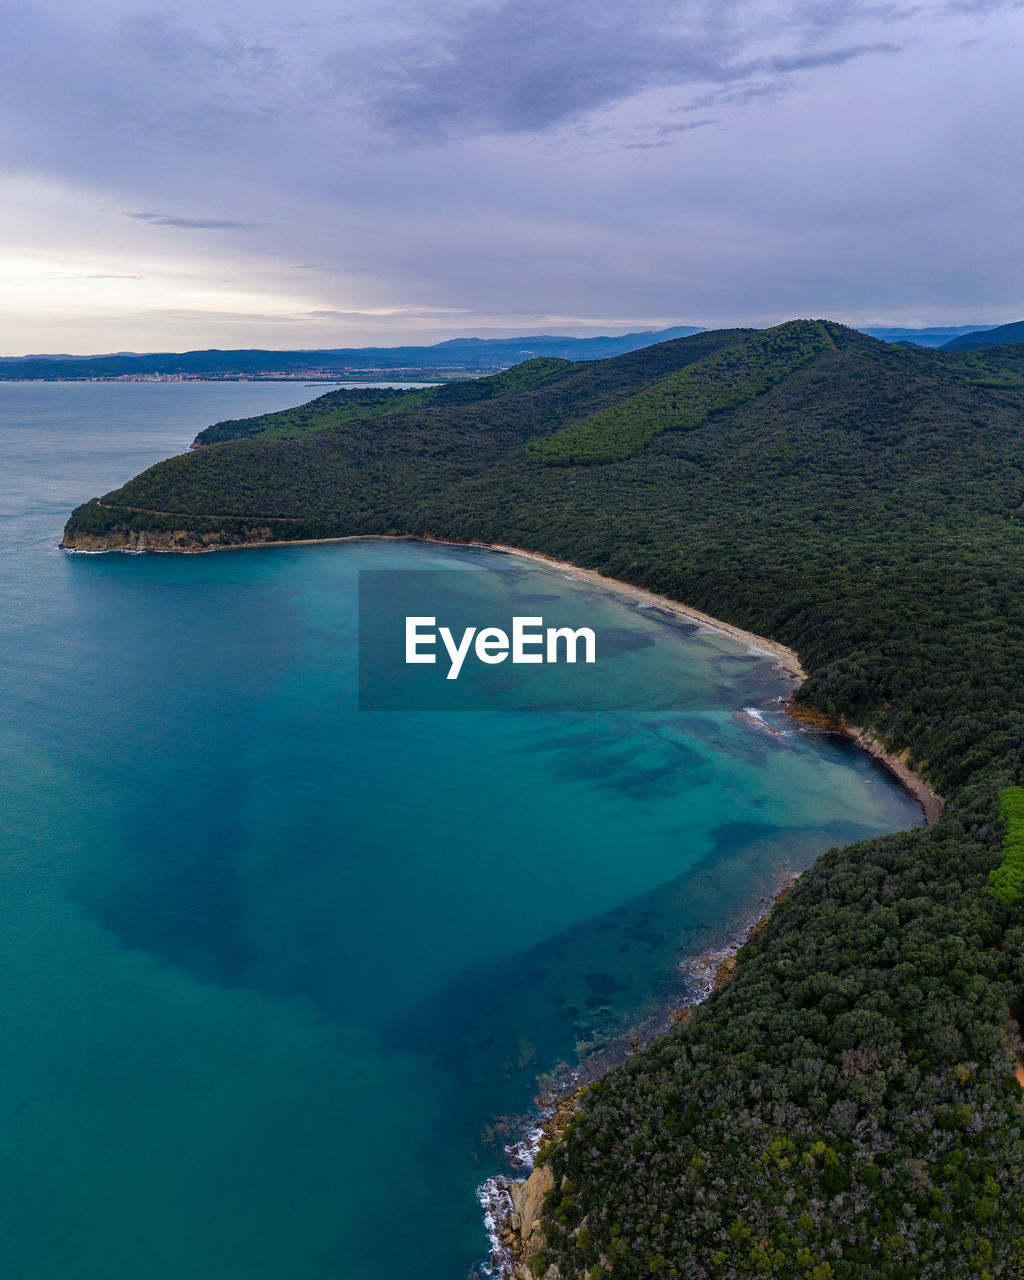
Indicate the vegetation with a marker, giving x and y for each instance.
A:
(988, 374)
(1006, 882)
(987, 337)
(338, 407)
(846, 1106)
(330, 410)
(686, 399)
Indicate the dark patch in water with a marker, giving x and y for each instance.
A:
(612, 973)
(646, 775)
(615, 641)
(603, 983)
(191, 912)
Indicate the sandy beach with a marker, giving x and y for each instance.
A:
(785, 656)
(930, 802)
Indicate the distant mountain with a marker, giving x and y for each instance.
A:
(930, 337)
(469, 355)
(988, 337)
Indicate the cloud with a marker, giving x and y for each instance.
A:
(210, 316)
(407, 313)
(981, 8)
(686, 126)
(189, 224)
(828, 58)
(103, 276)
(769, 79)
(340, 271)
(699, 161)
(530, 65)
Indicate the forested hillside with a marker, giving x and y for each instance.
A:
(337, 407)
(987, 337)
(846, 1106)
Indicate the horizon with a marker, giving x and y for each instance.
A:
(404, 176)
(952, 329)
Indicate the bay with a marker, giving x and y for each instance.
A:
(277, 975)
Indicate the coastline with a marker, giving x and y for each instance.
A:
(929, 800)
(786, 657)
(931, 803)
(512, 1206)
(781, 653)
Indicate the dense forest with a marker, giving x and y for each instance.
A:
(846, 1107)
(337, 407)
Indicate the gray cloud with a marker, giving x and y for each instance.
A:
(101, 276)
(685, 126)
(828, 58)
(529, 65)
(409, 313)
(189, 224)
(768, 79)
(980, 8)
(509, 164)
(332, 270)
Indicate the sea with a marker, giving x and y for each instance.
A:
(281, 978)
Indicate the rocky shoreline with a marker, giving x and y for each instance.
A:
(514, 1207)
(929, 800)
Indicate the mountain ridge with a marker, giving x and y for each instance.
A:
(1004, 333)
(465, 354)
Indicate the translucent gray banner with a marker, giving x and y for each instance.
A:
(525, 639)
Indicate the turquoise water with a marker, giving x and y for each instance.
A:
(273, 969)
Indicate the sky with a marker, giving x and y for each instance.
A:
(341, 174)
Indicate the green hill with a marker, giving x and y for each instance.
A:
(987, 338)
(337, 407)
(846, 1106)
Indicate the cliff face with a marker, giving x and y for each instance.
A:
(522, 1255)
(162, 539)
(926, 796)
(522, 1233)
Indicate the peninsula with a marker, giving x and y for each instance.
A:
(847, 1106)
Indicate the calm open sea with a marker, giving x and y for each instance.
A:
(272, 968)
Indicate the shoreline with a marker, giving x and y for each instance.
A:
(786, 657)
(512, 1206)
(930, 801)
(770, 648)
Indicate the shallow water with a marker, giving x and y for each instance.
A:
(272, 968)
